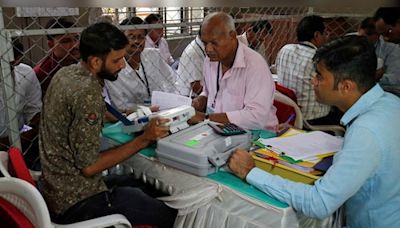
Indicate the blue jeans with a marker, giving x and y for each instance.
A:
(137, 206)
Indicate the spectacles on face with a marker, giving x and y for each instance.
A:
(136, 37)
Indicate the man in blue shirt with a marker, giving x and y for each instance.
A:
(365, 174)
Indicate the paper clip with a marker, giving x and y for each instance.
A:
(282, 155)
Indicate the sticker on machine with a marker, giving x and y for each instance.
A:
(197, 138)
(202, 135)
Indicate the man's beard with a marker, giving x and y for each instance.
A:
(104, 73)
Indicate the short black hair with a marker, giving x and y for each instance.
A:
(58, 23)
(368, 24)
(99, 39)
(349, 58)
(390, 15)
(153, 18)
(308, 26)
(133, 21)
(18, 48)
(261, 25)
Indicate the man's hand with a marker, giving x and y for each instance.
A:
(200, 103)
(156, 129)
(241, 163)
(282, 128)
(199, 117)
(196, 86)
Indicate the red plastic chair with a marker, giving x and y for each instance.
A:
(12, 217)
(286, 91)
(336, 129)
(17, 166)
(19, 189)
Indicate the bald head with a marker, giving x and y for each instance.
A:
(219, 37)
(219, 22)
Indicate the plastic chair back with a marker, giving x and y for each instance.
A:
(17, 166)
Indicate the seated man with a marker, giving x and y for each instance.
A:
(70, 127)
(64, 51)
(388, 55)
(364, 174)
(28, 101)
(238, 84)
(388, 23)
(155, 39)
(295, 68)
(145, 72)
(256, 35)
(190, 70)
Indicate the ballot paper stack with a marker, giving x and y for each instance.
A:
(296, 154)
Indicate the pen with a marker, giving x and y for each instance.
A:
(291, 117)
(286, 124)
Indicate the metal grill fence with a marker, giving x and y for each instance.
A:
(181, 24)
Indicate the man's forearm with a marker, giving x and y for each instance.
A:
(112, 157)
(200, 103)
(219, 117)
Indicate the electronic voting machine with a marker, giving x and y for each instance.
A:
(199, 149)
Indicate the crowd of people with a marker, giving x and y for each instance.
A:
(353, 80)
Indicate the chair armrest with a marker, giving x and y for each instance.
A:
(116, 220)
(35, 174)
(4, 164)
(336, 129)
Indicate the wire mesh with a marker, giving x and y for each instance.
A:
(180, 26)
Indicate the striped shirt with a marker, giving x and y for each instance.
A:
(295, 68)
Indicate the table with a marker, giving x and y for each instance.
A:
(205, 202)
(213, 201)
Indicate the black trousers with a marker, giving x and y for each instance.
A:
(127, 197)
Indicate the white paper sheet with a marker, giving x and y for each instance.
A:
(169, 100)
(304, 146)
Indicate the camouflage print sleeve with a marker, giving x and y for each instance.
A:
(85, 131)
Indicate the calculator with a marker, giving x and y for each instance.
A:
(227, 129)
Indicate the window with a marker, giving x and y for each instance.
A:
(178, 21)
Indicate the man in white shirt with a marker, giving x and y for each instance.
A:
(295, 68)
(155, 39)
(144, 73)
(28, 101)
(190, 70)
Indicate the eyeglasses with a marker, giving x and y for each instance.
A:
(134, 38)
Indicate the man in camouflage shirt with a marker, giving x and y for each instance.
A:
(70, 127)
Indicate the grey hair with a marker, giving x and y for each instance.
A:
(225, 18)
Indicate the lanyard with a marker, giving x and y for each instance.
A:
(145, 81)
(216, 93)
(202, 51)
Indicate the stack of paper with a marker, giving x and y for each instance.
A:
(312, 146)
(169, 100)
